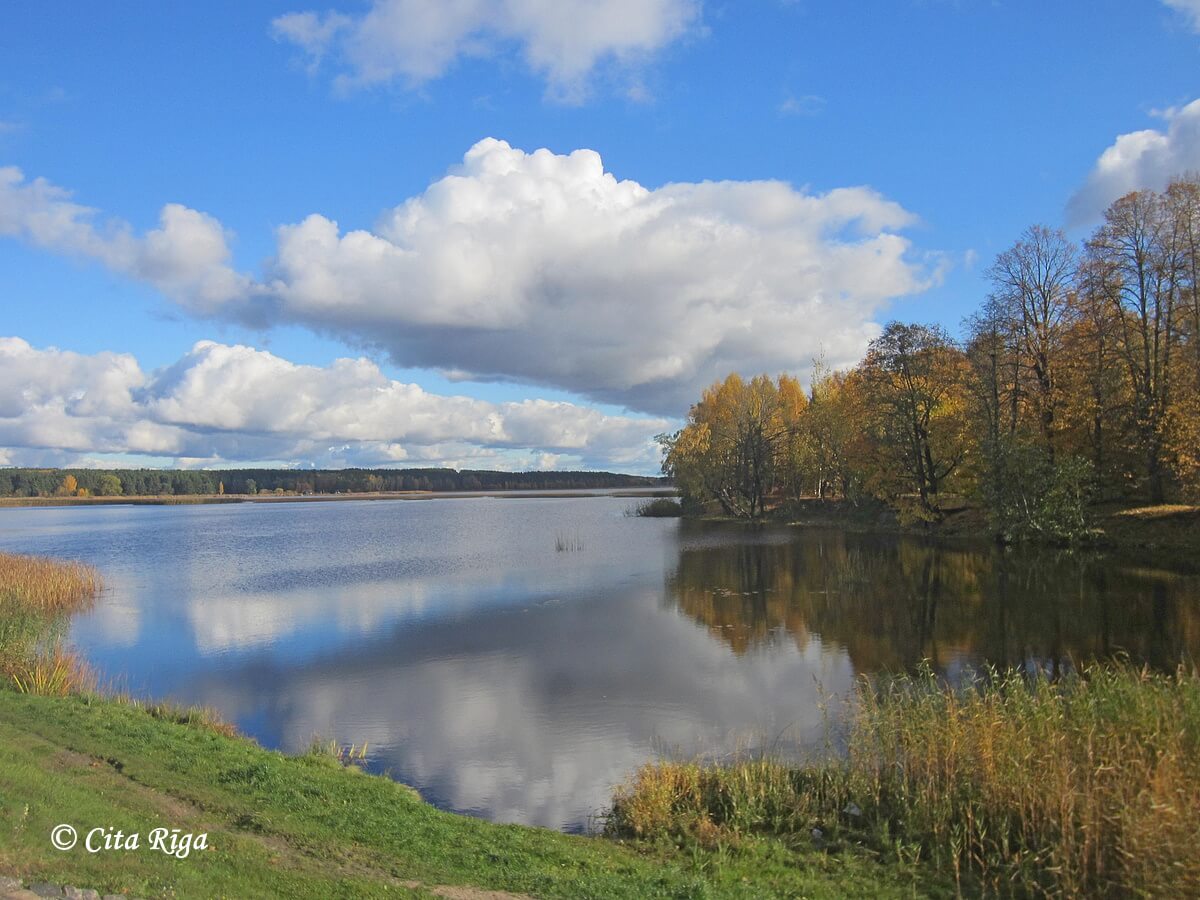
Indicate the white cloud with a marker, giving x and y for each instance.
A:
(808, 105)
(1189, 8)
(222, 403)
(415, 41)
(545, 269)
(187, 257)
(1140, 160)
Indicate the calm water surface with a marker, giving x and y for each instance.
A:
(508, 679)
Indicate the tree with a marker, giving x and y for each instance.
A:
(730, 449)
(108, 485)
(69, 486)
(1136, 259)
(1033, 282)
(913, 377)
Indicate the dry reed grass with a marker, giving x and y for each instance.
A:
(1088, 786)
(48, 586)
(37, 595)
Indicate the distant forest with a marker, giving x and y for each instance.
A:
(156, 482)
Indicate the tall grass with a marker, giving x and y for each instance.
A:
(37, 596)
(48, 586)
(1087, 786)
(55, 672)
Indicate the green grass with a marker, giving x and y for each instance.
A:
(308, 826)
(1088, 786)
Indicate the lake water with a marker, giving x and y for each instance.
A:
(508, 679)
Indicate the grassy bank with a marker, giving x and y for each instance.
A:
(307, 826)
(1089, 786)
(298, 826)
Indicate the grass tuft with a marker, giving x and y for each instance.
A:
(54, 673)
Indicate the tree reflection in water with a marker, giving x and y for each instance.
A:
(892, 602)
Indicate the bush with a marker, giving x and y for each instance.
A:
(658, 508)
(1031, 497)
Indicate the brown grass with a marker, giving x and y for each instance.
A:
(1162, 511)
(48, 587)
(55, 673)
(1089, 786)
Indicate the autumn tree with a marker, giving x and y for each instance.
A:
(830, 431)
(730, 450)
(1183, 204)
(1033, 284)
(913, 378)
(1136, 258)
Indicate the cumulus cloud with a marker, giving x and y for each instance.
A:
(544, 269)
(187, 257)
(415, 41)
(1140, 160)
(1189, 8)
(222, 403)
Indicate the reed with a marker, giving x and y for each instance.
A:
(346, 754)
(37, 595)
(564, 543)
(48, 586)
(54, 673)
(1085, 786)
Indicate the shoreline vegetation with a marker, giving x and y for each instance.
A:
(205, 499)
(1087, 785)
(307, 825)
(214, 485)
(1008, 784)
(1073, 389)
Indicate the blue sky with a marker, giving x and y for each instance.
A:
(942, 128)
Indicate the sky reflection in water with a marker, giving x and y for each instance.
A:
(505, 678)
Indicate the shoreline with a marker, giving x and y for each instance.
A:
(213, 499)
(1166, 534)
(310, 826)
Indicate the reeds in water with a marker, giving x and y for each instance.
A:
(37, 595)
(564, 543)
(1085, 786)
(48, 586)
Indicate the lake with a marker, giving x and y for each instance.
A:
(515, 658)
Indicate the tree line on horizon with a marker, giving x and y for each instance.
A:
(1077, 380)
(29, 482)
